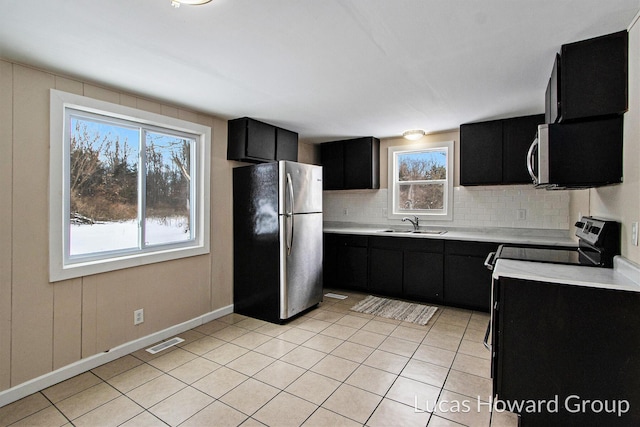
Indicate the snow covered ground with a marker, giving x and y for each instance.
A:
(113, 236)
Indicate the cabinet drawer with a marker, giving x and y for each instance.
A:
(351, 240)
(407, 243)
(477, 249)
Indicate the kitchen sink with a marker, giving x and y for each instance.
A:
(436, 232)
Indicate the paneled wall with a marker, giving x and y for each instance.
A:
(44, 326)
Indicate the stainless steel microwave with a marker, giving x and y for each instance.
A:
(577, 155)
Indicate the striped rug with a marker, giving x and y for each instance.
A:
(394, 309)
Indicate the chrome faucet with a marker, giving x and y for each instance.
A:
(415, 221)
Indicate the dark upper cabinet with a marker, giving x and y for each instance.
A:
(481, 153)
(589, 79)
(495, 152)
(351, 164)
(517, 135)
(250, 140)
(332, 155)
(286, 145)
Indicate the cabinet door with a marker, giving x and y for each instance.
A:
(352, 267)
(329, 260)
(386, 271)
(261, 140)
(517, 135)
(594, 77)
(467, 282)
(481, 153)
(423, 276)
(352, 261)
(359, 163)
(559, 341)
(332, 157)
(286, 145)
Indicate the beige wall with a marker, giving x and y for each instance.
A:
(622, 202)
(45, 326)
(309, 153)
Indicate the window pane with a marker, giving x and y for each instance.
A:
(420, 166)
(103, 187)
(168, 191)
(414, 197)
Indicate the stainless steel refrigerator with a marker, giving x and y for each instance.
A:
(277, 236)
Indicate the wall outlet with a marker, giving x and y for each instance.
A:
(634, 233)
(521, 214)
(138, 316)
(345, 211)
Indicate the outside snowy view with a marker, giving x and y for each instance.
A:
(105, 187)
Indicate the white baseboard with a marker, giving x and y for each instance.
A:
(88, 363)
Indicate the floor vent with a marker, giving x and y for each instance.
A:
(336, 296)
(164, 345)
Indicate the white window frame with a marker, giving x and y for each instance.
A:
(445, 214)
(61, 266)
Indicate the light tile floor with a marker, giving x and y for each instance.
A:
(330, 367)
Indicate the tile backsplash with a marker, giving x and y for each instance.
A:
(472, 207)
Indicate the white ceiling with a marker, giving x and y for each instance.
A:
(327, 69)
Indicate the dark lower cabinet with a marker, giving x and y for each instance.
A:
(423, 276)
(410, 268)
(386, 271)
(467, 280)
(421, 269)
(574, 348)
(346, 261)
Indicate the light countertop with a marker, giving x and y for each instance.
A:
(624, 276)
(525, 236)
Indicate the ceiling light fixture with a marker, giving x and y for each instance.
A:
(413, 134)
(177, 3)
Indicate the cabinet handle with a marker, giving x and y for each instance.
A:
(486, 337)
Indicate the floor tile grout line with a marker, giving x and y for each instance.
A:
(339, 316)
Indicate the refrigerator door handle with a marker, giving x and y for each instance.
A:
(289, 215)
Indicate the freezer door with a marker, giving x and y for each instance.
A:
(300, 188)
(300, 263)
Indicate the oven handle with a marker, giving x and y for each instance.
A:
(486, 337)
(488, 262)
